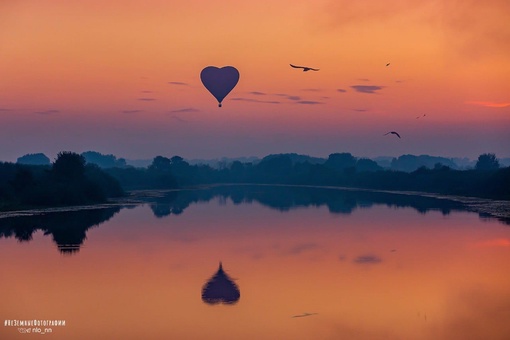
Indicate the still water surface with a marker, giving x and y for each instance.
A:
(306, 263)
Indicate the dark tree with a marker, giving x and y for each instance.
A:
(340, 161)
(34, 159)
(410, 163)
(487, 161)
(176, 159)
(23, 179)
(236, 171)
(274, 169)
(69, 165)
(103, 161)
(441, 167)
(160, 163)
(365, 164)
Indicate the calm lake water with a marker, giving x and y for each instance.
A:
(305, 263)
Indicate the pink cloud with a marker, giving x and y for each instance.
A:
(489, 104)
(499, 242)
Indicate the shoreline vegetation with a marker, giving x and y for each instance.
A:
(486, 180)
(71, 180)
(68, 226)
(499, 209)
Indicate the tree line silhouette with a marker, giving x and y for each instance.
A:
(72, 180)
(68, 181)
(340, 169)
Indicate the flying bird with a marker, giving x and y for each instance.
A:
(305, 68)
(388, 64)
(392, 132)
(304, 314)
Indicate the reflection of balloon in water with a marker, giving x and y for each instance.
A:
(219, 81)
(220, 289)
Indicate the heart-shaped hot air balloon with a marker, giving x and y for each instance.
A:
(220, 289)
(219, 81)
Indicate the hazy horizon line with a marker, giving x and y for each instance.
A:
(212, 158)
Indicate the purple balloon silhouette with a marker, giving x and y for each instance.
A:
(220, 289)
(219, 81)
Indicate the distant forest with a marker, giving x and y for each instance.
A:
(407, 163)
(487, 179)
(94, 178)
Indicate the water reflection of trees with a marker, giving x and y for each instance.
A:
(285, 198)
(173, 203)
(220, 288)
(67, 228)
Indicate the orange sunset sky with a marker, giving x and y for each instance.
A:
(122, 77)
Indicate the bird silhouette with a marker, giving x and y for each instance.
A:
(392, 132)
(388, 64)
(305, 68)
(304, 315)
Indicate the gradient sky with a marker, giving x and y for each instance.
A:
(122, 77)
